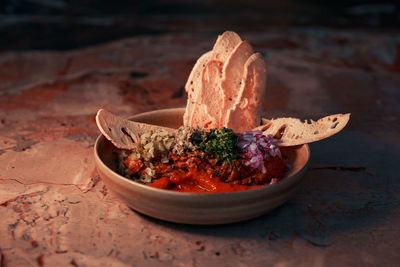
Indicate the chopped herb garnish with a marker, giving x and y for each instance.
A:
(222, 142)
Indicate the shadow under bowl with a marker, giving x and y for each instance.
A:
(197, 208)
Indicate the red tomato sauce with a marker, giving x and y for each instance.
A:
(195, 172)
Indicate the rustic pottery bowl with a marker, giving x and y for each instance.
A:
(192, 208)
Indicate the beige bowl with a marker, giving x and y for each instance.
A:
(192, 208)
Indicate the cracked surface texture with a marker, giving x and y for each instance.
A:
(55, 210)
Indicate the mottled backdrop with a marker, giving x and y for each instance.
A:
(63, 60)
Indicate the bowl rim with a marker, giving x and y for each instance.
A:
(274, 188)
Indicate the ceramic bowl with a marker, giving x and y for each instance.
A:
(192, 208)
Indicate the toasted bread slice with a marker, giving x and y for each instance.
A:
(206, 97)
(232, 74)
(211, 95)
(245, 112)
(224, 45)
(123, 133)
(292, 131)
(193, 87)
(221, 86)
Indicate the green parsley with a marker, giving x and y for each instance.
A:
(221, 142)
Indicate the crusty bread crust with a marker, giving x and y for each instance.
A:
(292, 131)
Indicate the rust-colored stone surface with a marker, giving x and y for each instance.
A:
(54, 210)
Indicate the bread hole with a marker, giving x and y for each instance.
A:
(335, 119)
(265, 127)
(334, 125)
(316, 132)
(123, 129)
(109, 129)
(280, 132)
(191, 82)
(207, 124)
(230, 99)
(192, 89)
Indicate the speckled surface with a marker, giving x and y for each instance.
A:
(55, 210)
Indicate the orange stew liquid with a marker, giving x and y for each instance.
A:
(197, 173)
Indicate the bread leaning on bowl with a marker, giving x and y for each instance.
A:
(293, 131)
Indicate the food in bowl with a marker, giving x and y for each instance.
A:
(222, 147)
(194, 208)
(198, 161)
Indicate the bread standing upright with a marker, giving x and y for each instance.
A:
(226, 86)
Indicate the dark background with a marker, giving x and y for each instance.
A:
(67, 24)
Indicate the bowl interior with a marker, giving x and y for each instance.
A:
(194, 208)
(297, 156)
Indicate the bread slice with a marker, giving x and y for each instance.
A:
(232, 75)
(207, 98)
(124, 134)
(292, 131)
(211, 96)
(231, 85)
(193, 87)
(244, 114)
(224, 45)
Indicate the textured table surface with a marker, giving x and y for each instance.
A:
(55, 209)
